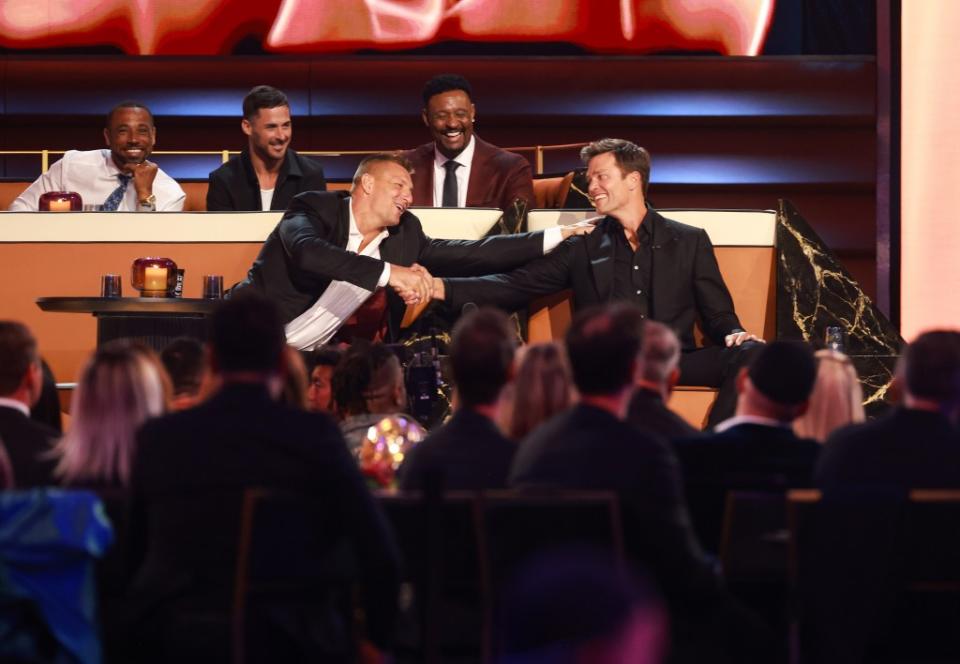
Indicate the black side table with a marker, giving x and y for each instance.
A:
(153, 321)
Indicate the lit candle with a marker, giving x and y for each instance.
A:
(155, 278)
(60, 205)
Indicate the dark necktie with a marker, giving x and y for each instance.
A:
(450, 193)
(113, 200)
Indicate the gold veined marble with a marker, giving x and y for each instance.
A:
(815, 291)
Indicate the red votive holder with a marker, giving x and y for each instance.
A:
(60, 201)
(154, 277)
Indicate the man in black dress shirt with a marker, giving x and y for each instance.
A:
(469, 451)
(665, 268)
(27, 443)
(648, 406)
(267, 174)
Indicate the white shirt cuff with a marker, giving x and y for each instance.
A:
(384, 276)
(551, 238)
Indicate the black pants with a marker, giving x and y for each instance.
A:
(715, 366)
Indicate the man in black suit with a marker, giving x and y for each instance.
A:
(267, 174)
(757, 448)
(192, 465)
(915, 445)
(331, 257)
(591, 447)
(27, 443)
(469, 451)
(666, 268)
(654, 384)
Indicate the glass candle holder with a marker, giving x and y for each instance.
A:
(60, 201)
(154, 277)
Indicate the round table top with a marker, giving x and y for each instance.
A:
(127, 305)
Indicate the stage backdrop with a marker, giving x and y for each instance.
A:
(930, 167)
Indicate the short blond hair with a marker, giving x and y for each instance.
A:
(371, 160)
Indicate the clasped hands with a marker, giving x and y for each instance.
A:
(413, 284)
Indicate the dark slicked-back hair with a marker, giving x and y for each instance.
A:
(366, 369)
(18, 351)
(263, 96)
(930, 366)
(129, 103)
(246, 334)
(445, 83)
(184, 360)
(481, 354)
(603, 343)
(630, 157)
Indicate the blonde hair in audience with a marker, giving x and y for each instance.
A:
(119, 389)
(836, 400)
(543, 387)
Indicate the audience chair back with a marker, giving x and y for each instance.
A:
(446, 586)
(875, 574)
(293, 582)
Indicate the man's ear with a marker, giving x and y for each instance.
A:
(106, 136)
(742, 379)
(425, 118)
(246, 127)
(672, 379)
(32, 382)
(366, 183)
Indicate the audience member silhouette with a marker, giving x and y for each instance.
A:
(542, 388)
(469, 451)
(27, 443)
(661, 370)
(186, 364)
(191, 469)
(916, 444)
(755, 449)
(836, 400)
(368, 386)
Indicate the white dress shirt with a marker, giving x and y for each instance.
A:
(93, 175)
(465, 159)
(16, 405)
(317, 325)
(737, 420)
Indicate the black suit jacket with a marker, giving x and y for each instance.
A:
(188, 462)
(28, 444)
(234, 186)
(588, 448)
(745, 456)
(469, 450)
(498, 177)
(648, 412)
(687, 283)
(905, 448)
(307, 250)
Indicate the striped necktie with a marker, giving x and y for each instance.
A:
(113, 200)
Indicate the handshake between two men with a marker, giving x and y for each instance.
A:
(416, 286)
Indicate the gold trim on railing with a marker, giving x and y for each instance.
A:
(538, 150)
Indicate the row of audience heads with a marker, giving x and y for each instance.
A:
(607, 351)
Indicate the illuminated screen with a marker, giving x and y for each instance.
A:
(215, 27)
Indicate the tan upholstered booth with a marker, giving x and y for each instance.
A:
(744, 242)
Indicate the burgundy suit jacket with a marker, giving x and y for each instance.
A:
(497, 177)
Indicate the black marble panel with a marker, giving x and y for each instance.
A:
(814, 291)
